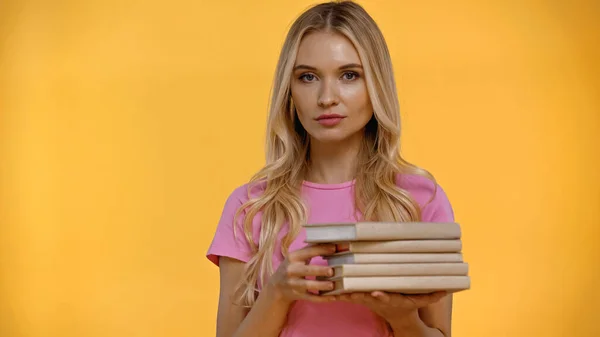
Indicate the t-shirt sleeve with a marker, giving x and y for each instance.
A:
(439, 209)
(225, 242)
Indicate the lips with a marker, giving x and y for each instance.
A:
(330, 120)
(329, 116)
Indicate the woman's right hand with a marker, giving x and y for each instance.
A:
(289, 280)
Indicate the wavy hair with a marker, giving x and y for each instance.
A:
(377, 195)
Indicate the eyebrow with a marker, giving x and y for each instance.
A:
(345, 66)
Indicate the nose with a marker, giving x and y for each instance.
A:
(328, 96)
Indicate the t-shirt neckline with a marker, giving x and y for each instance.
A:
(321, 186)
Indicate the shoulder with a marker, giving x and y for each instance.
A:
(431, 197)
(226, 242)
(242, 193)
(238, 196)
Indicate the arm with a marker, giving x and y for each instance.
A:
(433, 320)
(266, 318)
(288, 284)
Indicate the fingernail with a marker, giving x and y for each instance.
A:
(330, 272)
(330, 286)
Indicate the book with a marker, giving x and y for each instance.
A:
(399, 284)
(401, 246)
(377, 231)
(383, 258)
(400, 269)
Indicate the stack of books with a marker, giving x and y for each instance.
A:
(400, 257)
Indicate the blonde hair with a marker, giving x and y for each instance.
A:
(377, 195)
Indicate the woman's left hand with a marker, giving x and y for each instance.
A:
(392, 306)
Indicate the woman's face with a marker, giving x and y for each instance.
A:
(329, 89)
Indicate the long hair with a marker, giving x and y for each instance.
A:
(377, 195)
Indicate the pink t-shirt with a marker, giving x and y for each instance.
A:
(327, 203)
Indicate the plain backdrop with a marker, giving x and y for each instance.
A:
(124, 126)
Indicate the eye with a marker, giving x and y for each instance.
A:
(350, 75)
(307, 77)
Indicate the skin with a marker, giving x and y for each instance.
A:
(288, 284)
(327, 78)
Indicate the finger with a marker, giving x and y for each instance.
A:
(440, 294)
(363, 298)
(437, 296)
(357, 297)
(308, 252)
(344, 297)
(301, 270)
(349, 298)
(369, 300)
(306, 285)
(422, 300)
(317, 298)
(434, 296)
(381, 296)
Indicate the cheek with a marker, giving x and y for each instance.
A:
(302, 98)
(357, 100)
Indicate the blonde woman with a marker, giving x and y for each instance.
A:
(332, 156)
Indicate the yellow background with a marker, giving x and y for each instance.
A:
(124, 126)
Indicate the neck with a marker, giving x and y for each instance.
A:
(333, 163)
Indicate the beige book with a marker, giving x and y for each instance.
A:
(377, 231)
(400, 284)
(401, 269)
(369, 258)
(402, 246)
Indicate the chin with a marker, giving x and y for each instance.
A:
(329, 136)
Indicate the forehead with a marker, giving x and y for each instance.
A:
(326, 50)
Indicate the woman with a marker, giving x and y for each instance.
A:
(332, 156)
